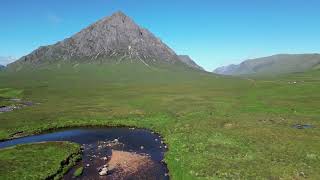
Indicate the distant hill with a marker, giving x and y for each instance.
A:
(115, 39)
(277, 64)
(2, 67)
(187, 60)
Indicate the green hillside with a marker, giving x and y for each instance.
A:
(273, 65)
(215, 126)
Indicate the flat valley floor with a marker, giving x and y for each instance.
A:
(215, 126)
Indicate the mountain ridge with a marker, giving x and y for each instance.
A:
(115, 37)
(190, 62)
(275, 64)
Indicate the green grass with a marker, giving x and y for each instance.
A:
(36, 161)
(10, 93)
(215, 126)
(78, 172)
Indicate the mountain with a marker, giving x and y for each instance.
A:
(277, 64)
(2, 67)
(227, 70)
(115, 39)
(188, 61)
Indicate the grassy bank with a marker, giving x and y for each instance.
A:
(215, 126)
(38, 161)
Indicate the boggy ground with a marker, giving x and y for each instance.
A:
(215, 126)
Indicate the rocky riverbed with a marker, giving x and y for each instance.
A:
(110, 153)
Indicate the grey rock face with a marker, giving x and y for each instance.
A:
(114, 36)
(188, 61)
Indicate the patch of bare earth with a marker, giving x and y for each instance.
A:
(128, 164)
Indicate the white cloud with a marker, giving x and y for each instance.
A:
(6, 60)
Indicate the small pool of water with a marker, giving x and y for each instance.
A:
(139, 141)
(302, 126)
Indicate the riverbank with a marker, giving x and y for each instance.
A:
(46, 160)
(132, 152)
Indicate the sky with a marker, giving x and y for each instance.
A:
(212, 32)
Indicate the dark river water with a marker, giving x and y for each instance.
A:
(139, 141)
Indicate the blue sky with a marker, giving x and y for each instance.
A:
(212, 32)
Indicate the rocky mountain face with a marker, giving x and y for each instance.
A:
(116, 37)
(277, 64)
(187, 60)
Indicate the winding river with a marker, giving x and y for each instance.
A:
(131, 146)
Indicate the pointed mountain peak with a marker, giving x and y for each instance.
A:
(115, 38)
(115, 19)
(119, 14)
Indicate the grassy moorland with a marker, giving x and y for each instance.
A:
(215, 126)
(37, 161)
